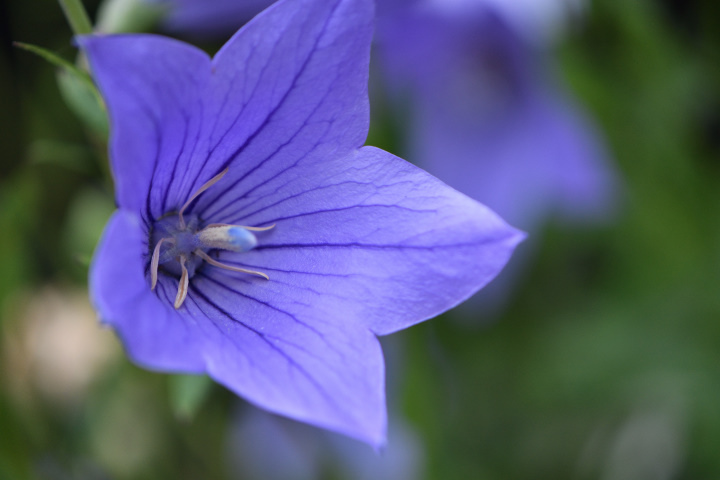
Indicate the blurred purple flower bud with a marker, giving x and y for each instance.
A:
(267, 447)
(210, 18)
(488, 117)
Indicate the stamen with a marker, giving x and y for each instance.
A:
(187, 240)
(230, 237)
(182, 285)
(207, 185)
(254, 229)
(215, 263)
(156, 260)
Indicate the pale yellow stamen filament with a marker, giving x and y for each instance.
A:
(182, 285)
(207, 185)
(252, 229)
(156, 260)
(215, 263)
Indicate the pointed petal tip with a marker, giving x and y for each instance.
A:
(83, 41)
(379, 446)
(374, 436)
(518, 236)
(508, 234)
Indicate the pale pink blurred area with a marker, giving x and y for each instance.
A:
(53, 346)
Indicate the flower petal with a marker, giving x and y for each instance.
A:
(152, 86)
(330, 373)
(489, 119)
(211, 18)
(536, 161)
(152, 332)
(291, 83)
(365, 242)
(369, 239)
(268, 447)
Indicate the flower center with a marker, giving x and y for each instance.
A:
(181, 246)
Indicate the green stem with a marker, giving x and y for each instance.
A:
(76, 16)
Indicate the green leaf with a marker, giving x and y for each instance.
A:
(76, 16)
(187, 393)
(123, 16)
(76, 158)
(54, 59)
(84, 100)
(86, 217)
(77, 89)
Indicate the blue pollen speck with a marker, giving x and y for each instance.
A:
(242, 239)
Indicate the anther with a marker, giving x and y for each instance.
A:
(182, 285)
(156, 260)
(254, 229)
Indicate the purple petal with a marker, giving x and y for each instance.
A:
(302, 92)
(311, 368)
(211, 18)
(268, 447)
(488, 118)
(539, 160)
(328, 373)
(364, 242)
(291, 82)
(152, 332)
(402, 459)
(262, 446)
(152, 87)
(368, 239)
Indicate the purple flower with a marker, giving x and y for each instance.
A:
(268, 447)
(249, 166)
(487, 116)
(210, 18)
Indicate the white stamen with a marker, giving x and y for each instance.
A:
(230, 237)
(205, 186)
(215, 263)
(189, 241)
(156, 260)
(254, 229)
(182, 285)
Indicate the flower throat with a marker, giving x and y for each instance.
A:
(181, 246)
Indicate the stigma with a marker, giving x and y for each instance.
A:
(181, 246)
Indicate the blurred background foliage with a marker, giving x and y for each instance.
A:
(606, 365)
